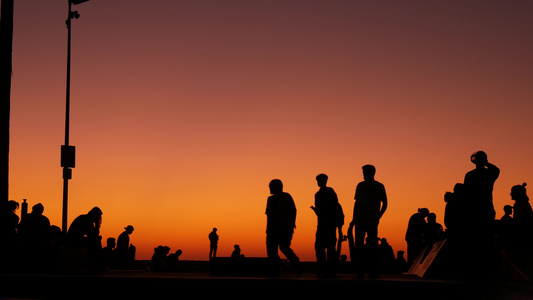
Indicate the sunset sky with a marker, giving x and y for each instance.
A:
(183, 111)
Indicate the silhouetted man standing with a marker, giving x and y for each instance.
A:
(329, 218)
(370, 205)
(213, 243)
(281, 221)
(478, 185)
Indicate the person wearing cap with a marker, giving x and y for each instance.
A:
(123, 246)
(123, 241)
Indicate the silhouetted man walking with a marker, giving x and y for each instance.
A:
(370, 205)
(329, 218)
(281, 221)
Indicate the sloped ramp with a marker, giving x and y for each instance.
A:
(441, 262)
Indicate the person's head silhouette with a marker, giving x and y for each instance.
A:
(508, 209)
(322, 180)
(95, 213)
(423, 211)
(38, 209)
(432, 218)
(369, 171)
(129, 229)
(111, 242)
(518, 192)
(479, 158)
(276, 186)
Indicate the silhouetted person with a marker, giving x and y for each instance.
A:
(520, 244)
(236, 254)
(84, 232)
(507, 214)
(281, 222)
(9, 239)
(479, 184)
(108, 253)
(123, 241)
(35, 236)
(522, 216)
(414, 235)
(386, 257)
(370, 205)
(35, 229)
(174, 260)
(506, 229)
(10, 221)
(434, 231)
(456, 212)
(159, 261)
(459, 234)
(330, 219)
(123, 251)
(213, 243)
(401, 262)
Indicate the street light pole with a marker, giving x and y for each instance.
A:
(68, 151)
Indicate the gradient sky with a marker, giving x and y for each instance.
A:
(183, 111)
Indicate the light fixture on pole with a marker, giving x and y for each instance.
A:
(68, 151)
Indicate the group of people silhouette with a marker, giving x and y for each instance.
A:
(473, 235)
(370, 205)
(28, 242)
(164, 261)
(475, 239)
(31, 244)
(422, 231)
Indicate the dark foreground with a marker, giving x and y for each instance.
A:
(202, 283)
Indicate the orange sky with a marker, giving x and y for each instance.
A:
(183, 111)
